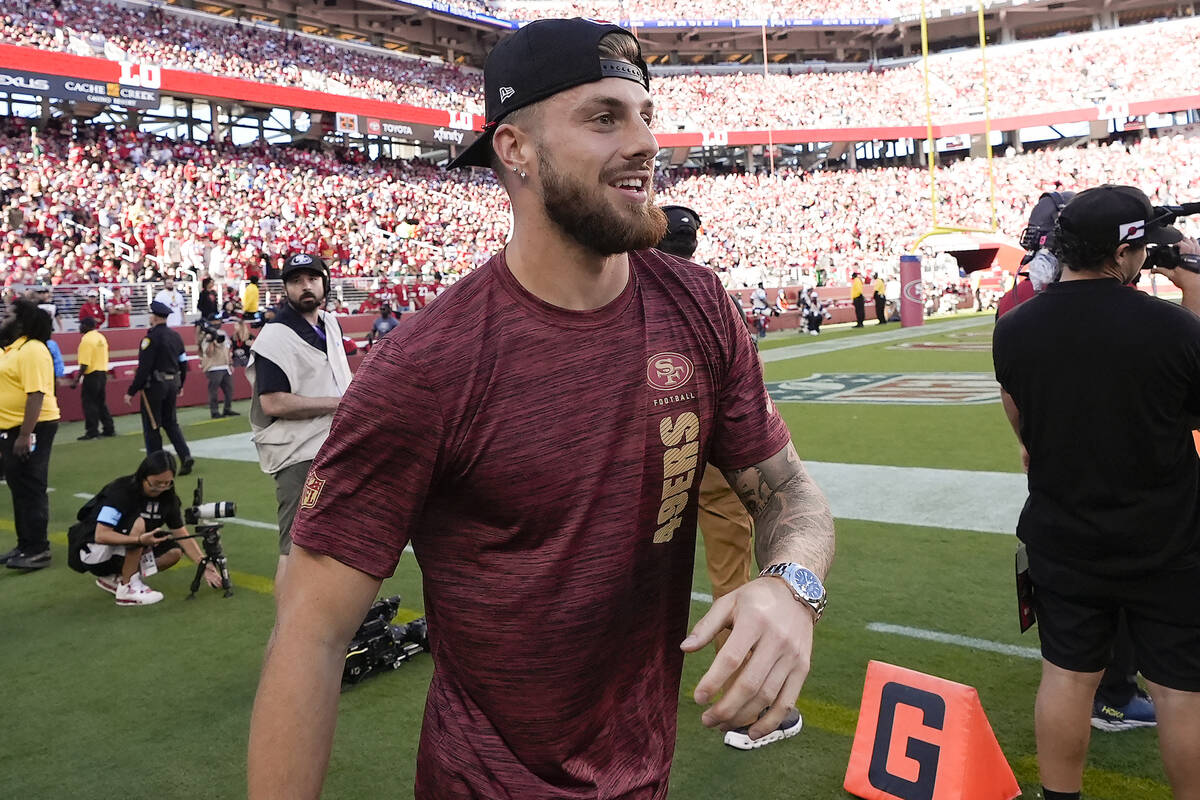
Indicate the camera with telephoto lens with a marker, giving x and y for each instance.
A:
(1168, 256)
(204, 515)
(214, 332)
(202, 512)
(379, 645)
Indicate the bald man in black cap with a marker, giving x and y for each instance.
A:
(162, 368)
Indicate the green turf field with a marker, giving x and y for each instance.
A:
(154, 702)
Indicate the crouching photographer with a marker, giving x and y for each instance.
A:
(1101, 384)
(118, 536)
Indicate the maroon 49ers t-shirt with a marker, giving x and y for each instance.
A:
(545, 466)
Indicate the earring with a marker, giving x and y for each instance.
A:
(519, 172)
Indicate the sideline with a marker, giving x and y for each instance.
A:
(865, 339)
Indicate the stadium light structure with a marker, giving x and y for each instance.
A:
(931, 142)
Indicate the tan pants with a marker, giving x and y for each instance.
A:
(728, 533)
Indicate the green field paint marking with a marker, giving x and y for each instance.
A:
(828, 716)
(954, 639)
(1099, 783)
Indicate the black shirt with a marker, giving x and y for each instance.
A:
(1107, 381)
(122, 502)
(161, 351)
(268, 377)
(207, 304)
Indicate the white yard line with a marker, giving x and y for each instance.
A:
(931, 636)
(954, 639)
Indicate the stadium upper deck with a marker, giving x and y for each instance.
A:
(1042, 77)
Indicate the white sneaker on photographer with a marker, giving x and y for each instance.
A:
(136, 593)
(108, 583)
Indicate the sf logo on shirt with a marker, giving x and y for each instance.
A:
(667, 371)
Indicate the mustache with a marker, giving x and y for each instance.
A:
(630, 166)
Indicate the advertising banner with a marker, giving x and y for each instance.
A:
(132, 95)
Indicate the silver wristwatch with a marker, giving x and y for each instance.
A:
(805, 585)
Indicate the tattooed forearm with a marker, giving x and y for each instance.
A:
(791, 515)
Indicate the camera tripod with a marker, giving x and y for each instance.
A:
(210, 539)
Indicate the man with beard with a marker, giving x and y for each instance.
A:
(298, 380)
(538, 435)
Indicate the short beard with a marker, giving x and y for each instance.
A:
(591, 221)
(306, 304)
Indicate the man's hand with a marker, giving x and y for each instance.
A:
(21, 448)
(212, 575)
(1187, 281)
(128, 399)
(765, 662)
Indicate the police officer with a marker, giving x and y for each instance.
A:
(162, 367)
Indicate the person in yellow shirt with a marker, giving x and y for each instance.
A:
(860, 302)
(28, 421)
(250, 298)
(880, 290)
(93, 373)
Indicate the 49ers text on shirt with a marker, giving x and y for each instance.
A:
(681, 438)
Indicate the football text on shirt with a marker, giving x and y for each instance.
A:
(680, 436)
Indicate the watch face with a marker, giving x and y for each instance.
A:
(807, 584)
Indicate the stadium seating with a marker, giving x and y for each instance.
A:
(1024, 78)
(116, 206)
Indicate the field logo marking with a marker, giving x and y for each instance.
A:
(921, 388)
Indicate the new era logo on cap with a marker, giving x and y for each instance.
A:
(505, 93)
(1131, 230)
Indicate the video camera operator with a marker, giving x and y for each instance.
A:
(1120, 704)
(217, 363)
(118, 539)
(1102, 386)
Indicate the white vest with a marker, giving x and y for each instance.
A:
(283, 442)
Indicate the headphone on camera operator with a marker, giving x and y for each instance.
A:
(1166, 248)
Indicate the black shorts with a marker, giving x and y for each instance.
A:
(1077, 620)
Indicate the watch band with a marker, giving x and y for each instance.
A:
(812, 596)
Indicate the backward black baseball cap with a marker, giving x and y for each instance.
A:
(1112, 215)
(543, 58)
(681, 221)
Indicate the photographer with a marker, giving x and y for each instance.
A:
(217, 364)
(117, 537)
(1110, 523)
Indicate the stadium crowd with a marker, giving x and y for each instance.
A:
(258, 53)
(845, 220)
(116, 206)
(1024, 78)
(713, 9)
